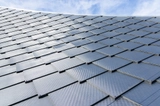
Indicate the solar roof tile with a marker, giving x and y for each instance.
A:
(110, 51)
(19, 93)
(38, 72)
(154, 60)
(105, 102)
(36, 102)
(112, 63)
(110, 42)
(150, 49)
(126, 37)
(90, 57)
(134, 56)
(43, 52)
(53, 57)
(4, 62)
(77, 95)
(67, 63)
(75, 51)
(28, 64)
(142, 71)
(142, 92)
(114, 84)
(20, 58)
(84, 72)
(146, 41)
(7, 81)
(15, 53)
(7, 70)
(128, 45)
(52, 82)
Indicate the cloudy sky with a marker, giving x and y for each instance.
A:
(102, 7)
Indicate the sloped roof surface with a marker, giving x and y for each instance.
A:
(78, 60)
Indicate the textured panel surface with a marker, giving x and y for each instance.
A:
(111, 63)
(110, 42)
(77, 95)
(146, 41)
(68, 63)
(7, 70)
(155, 60)
(84, 72)
(10, 80)
(52, 82)
(75, 51)
(110, 51)
(94, 46)
(142, 92)
(36, 102)
(134, 56)
(37, 72)
(143, 71)
(53, 57)
(114, 84)
(16, 93)
(90, 56)
(28, 64)
(105, 102)
(150, 49)
(128, 45)
(20, 58)
(122, 102)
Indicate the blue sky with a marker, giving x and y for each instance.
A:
(100, 7)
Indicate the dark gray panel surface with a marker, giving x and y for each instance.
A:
(62, 47)
(142, 92)
(110, 51)
(16, 93)
(146, 41)
(75, 51)
(110, 42)
(145, 72)
(68, 63)
(122, 102)
(52, 82)
(105, 102)
(53, 57)
(28, 64)
(128, 45)
(36, 102)
(150, 49)
(84, 72)
(111, 63)
(155, 60)
(93, 46)
(43, 52)
(38, 72)
(114, 84)
(134, 56)
(90, 57)
(77, 95)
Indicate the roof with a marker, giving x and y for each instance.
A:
(78, 60)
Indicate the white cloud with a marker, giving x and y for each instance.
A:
(66, 6)
(147, 8)
(101, 7)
